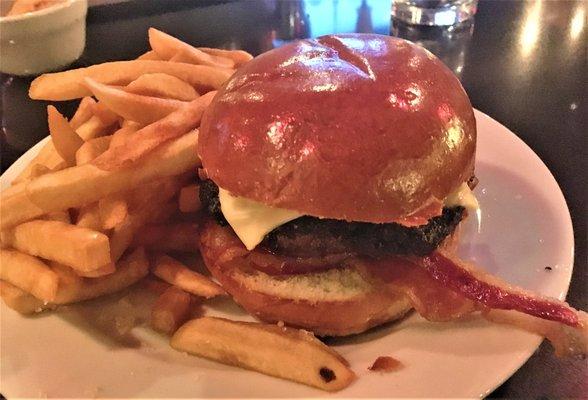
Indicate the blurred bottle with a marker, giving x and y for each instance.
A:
(364, 19)
(293, 22)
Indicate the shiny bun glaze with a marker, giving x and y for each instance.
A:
(356, 127)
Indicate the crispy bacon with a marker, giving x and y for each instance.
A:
(442, 289)
(566, 340)
(430, 299)
(490, 291)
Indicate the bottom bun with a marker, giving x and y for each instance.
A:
(336, 302)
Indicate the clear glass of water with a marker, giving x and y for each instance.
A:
(433, 12)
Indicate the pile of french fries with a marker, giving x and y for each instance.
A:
(113, 196)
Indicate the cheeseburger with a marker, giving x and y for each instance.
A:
(335, 175)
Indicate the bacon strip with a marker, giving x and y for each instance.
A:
(566, 340)
(494, 293)
(430, 299)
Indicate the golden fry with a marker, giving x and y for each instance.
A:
(143, 109)
(239, 57)
(106, 115)
(149, 55)
(21, 301)
(70, 85)
(171, 309)
(28, 273)
(189, 200)
(64, 137)
(83, 113)
(144, 204)
(89, 217)
(93, 128)
(73, 288)
(282, 352)
(122, 135)
(98, 272)
(62, 216)
(113, 210)
(177, 274)
(166, 46)
(163, 86)
(150, 137)
(80, 248)
(92, 149)
(77, 186)
(47, 158)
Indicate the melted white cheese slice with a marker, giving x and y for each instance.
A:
(250, 219)
(464, 197)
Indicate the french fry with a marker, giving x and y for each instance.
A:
(73, 288)
(21, 301)
(69, 85)
(182, 56)
(89, 217)
(98, 272)
(39, 170)
(166, 46)
(113, 210)
(127, 123)
(150, 137)
(106, 115)
(16, 206)
(164, 86)
(143, 109)
(93, 128)
(155, 285)
(64, 137)
(144, 203)
(28, 273)
(177, 274)
(282, 352)
(80, 248)
(122, 135)
(83, 113)
(149, 55)
(239, 57)
(92, 149)
(47, 158)
(122, 237)
(189, 200)
(180, 236)
(171, 309)
(62, 216)
(84, 184)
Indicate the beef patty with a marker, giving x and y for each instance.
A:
(310, 236)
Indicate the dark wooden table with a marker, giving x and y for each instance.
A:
(521, 62)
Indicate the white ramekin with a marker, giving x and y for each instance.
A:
(43, 40)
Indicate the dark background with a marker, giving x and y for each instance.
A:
(521, 62)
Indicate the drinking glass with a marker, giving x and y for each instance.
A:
(433, 12)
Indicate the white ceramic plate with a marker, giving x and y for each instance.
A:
(524, 227)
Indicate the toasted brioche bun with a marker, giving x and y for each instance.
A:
(336, 302)
(351, 127)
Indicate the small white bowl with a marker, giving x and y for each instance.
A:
(43, 40)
